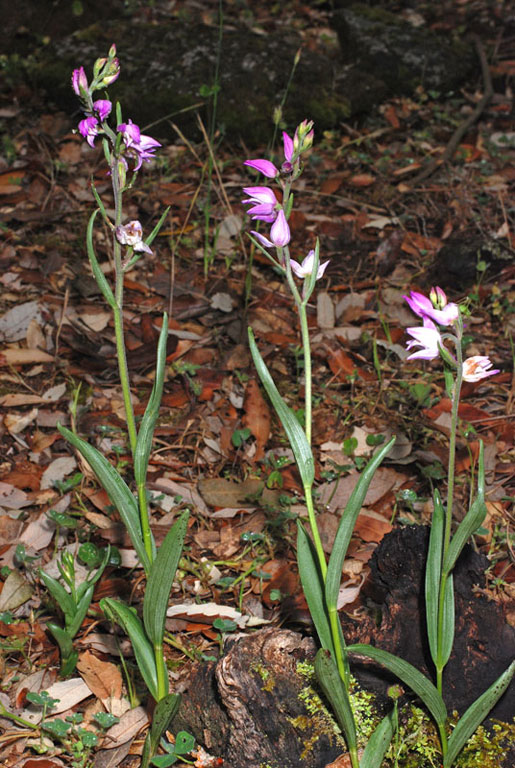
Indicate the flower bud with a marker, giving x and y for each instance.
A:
(111, 72)
(80, 82)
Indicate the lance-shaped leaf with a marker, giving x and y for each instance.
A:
(475, 715)
(165, 710)
(378, 743)
(80, 611)
(346, 526)
(160, 580)
(433, 574)
(69, 655)
(472, 519)
(116, 489)
(148, 422)
(336, 693)
(143, 651)
(63, 598)
(95, 266)
(313, 587)
(409, 675)
(296, 435)
(448, 621)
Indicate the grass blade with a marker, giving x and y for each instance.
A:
(346, 526)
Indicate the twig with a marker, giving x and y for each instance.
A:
(461, 130)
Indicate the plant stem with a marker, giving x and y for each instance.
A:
(118, 317)
(162, 678)
(314, 530)
(144, 521)
(450, 497)
(307, 370)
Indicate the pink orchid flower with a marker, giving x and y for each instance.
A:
(280, 231)
(306, 268)
(132, 234)
(88, 128)
(477, 367)
(264, 203)
(428, 338)
(423, 307)
(80, 81)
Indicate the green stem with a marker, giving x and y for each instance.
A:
(450, 495)
(314, 530)
(162, 678)
(145, 521)
(117, 311)
(307, 370)
(340, 649)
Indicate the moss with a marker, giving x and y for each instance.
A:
(417, 743)
(265, 675)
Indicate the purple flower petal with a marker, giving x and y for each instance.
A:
(262, 239)
(88, 128)
(288, 147)
(280, 231)
(103, 108)
(263, 166)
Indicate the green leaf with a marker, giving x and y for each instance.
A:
(184, 742)
(346, 526)
(312, 585)
(69, 655)
(336, 693)
(143, 651)
(409, 675)
(378, 743)
(160, 580)
(150, 239)
(433, 574)
(165, 710)
(117, 490)
(148, 422)
(472, 519)
(81, 610)
(95, 266)
(447, 624)
(63, 598)
(475, 715)
(296, 435)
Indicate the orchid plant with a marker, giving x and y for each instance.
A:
(320, 578)
(442, 322)
(126, 148)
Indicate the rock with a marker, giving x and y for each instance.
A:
(168, 71)
(166, 68)
(398, 56)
